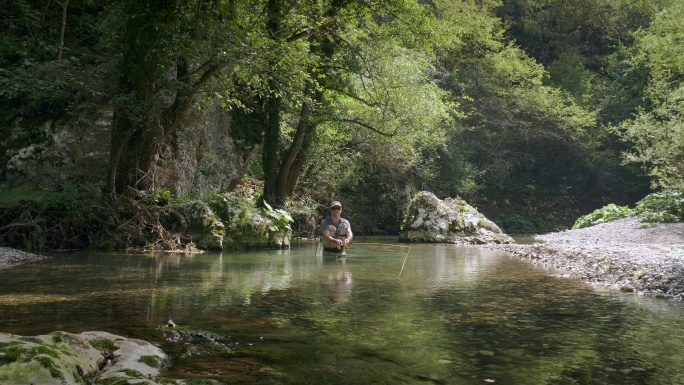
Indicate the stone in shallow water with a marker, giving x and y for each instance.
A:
(430, 219)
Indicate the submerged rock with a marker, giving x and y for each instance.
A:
(431, 219)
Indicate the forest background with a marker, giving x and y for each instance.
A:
(535, 112)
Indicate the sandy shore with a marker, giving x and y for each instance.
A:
(620, 254)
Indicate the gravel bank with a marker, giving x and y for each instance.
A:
(12, 257)
(619, 254)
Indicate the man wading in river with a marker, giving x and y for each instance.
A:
(336, 231)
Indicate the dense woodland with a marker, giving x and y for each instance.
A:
(534, 111)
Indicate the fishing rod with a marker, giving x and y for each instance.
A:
(395, 245)
(319, 251)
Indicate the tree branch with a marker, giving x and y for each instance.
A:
(323, 27)
(368, 126)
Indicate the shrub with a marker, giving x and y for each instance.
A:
(661, 207)
(607, 213)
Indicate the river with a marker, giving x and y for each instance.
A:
(387, 313)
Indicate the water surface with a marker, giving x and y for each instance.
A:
(388, 313)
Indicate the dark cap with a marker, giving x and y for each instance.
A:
(335, 203)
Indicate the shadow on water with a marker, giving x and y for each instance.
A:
(387, 313)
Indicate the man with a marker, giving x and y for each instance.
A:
(336, 231)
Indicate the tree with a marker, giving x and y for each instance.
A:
(657, 130)
(172, 51)
(365, 78)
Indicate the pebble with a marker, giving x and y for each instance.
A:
(12, 257)
(623, 254)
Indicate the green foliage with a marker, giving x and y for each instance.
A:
(280, 219)
(654, 208)
(160, 197)
(661, 207)
(472, 98)
(34, 218)
(104, 345)
(657, 131)
(35, 86)
(607, 213)
(517, 132)
(243, 214)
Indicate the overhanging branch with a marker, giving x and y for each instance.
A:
(369, 127)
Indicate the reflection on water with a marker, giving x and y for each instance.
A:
(455, 315)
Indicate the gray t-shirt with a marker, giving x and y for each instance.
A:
(337, 230)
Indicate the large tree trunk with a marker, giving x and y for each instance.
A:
(283, 168)
(136, 128)
(294, 159)
(271, 151)
(133, 148)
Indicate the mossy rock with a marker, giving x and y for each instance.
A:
(86, 358)
(452, 220)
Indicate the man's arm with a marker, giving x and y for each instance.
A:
(350, 235)
(327, 237)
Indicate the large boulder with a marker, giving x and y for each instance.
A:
(206, 228)
(430, 219)
(231, 222)
(252, 227)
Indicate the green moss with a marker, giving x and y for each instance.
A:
(113, 381)
(133, 373)
(151, 361)
(197, 381)
(49, 364)
(45, 362)
(104, 344)
(42, 349)
(12, 343)
(65, 350)
(57, 337)
(166, 381)
(9, 354)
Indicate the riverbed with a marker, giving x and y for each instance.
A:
(386, 313)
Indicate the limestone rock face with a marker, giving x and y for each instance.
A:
(430, 219)
(64, 358)
(51, 152)
(205, 157)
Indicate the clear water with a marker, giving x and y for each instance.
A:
(386, 314)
